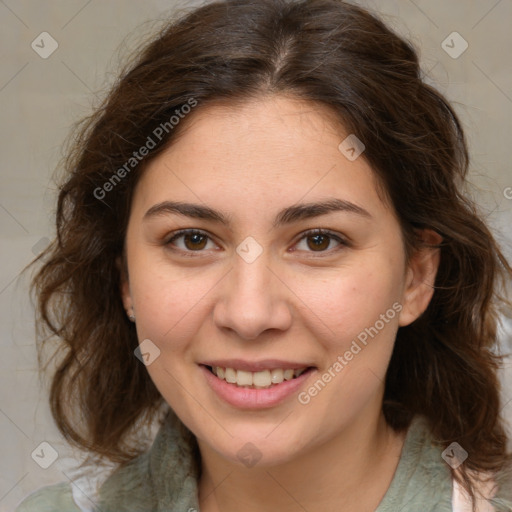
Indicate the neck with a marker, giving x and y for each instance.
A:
(350, 472)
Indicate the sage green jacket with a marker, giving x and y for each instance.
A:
(164, 479)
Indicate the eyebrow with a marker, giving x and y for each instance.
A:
(288, 215)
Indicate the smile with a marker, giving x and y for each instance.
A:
(261, 388)
(256, 380)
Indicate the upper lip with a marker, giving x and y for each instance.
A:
(255, 366)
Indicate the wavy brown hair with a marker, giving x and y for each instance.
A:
(328, 52)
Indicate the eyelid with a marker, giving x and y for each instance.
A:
(342, 240)
(188, 231)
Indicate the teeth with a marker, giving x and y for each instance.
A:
(276, 376)
(243, 378)
(263, 379)
(230, 375)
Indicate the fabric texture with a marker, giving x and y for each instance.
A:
(164, 479)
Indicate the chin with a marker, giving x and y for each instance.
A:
(261, 447)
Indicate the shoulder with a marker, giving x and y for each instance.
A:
(53, 498)
(502, 491)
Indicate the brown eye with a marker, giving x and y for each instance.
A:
(192, 240)
(319, 240)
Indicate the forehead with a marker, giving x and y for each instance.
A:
(263, 151)
(286, 125)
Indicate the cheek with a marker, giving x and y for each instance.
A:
(174, 309)
(172, 303)
(351, 300)
(168, 311)
(361, 311)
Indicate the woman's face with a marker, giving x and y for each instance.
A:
(255, 295)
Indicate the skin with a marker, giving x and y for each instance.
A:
(295, 302)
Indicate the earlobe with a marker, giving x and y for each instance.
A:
(124, 286)
(420, 277)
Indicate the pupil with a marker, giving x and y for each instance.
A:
(196, 238)
(320, 241)
(320, 245)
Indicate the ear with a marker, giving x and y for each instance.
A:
(420, 277)
(124, 284)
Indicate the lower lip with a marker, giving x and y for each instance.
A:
(247, 398)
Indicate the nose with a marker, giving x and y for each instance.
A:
(252, 299)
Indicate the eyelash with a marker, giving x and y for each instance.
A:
(311, 232)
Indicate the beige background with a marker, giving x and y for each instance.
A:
(41, 98)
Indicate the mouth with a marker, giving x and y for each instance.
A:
(255, 385)
(263, 379)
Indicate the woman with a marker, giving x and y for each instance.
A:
(263, 233)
